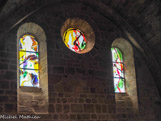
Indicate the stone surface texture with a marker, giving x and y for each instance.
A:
(79, 87)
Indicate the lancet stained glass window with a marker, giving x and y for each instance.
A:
(28, 61)
(118, 74)
(75, 40)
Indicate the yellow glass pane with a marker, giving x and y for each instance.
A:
(75, 40)
(28, 60)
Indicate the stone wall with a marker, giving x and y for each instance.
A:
(80, 85)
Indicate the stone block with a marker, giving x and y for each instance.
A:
(4, 84)
(58, 100)
(10, 108)
(69, 70)
(3, 66)
(70, 100)
(91, 72)
(58, 108)
(63, 116)
(38, 98)
(98, 108)
(57, 61)
(1, 92)
(3, 99)
(41, 109)
(55, 116)
(111, 109)
(13, 85)
(64, 100)
(101, 116)
(59, 70)
(24, 109)
(89, 108)
(81, 71)
(94, 101)
(46, 116)
(60, 94)
(92, 90)
(73, 116)
(88, 101)
(86, 90)
(25, 97)
(83, 95)
(81, 100)
(52, 100)
(76, 108)
(93, 116)
(104, 109)
(120, 110)
(59, 89)
(79, 116)
(66, 108)
(51, 108)
(11, 75)
(1, 109)
(85, 116)
(68, 89)
(12, 98)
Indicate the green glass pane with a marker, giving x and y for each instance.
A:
(116, 55)
(118, 70)
(74, 39)
(119, 85)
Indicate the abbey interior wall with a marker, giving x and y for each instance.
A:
(80, 85)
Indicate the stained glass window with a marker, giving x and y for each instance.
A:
(118, 73)
(28, 61)
(75, 40)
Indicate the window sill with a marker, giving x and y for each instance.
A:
(30, 89)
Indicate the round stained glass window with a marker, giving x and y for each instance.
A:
(75, 40)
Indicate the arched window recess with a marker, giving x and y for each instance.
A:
(32, 81)
(124, 76)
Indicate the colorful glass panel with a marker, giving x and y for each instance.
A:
(28, 43)
(28, 61)
(75, 40)
(116, 55)
(118, 72)
(29, 78)
(119, 85)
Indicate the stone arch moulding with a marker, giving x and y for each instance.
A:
(84, 27)
(129, 70)
(34, 99)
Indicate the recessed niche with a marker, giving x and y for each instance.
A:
(78, 35)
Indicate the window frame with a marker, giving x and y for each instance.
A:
(123, 71)
(28, 33)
